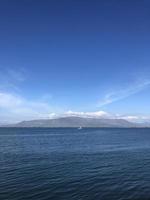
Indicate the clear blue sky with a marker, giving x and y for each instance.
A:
(79, 55)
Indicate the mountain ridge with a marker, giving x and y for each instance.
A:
(74, 122)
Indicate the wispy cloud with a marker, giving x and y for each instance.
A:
(16, 74)
(123, 93)
(16, 108)
(11, 78)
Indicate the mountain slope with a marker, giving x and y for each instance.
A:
(76, 122)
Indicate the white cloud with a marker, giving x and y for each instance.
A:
(136, 118)
(52, 115)
(10, 78)
(104, 115)
(124, 93)
(97, 114)
(16, 108)
(9, 101)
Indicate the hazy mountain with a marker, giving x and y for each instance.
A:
(76, 122)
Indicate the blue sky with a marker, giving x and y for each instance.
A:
(74, 56)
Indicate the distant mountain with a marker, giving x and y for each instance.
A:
(76, 122)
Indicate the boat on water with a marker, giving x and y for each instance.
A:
(80, 128)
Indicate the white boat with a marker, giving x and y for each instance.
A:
(80, 128)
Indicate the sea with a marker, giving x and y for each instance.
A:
(73, 164)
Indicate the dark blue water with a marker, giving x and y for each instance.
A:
(71, 164)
